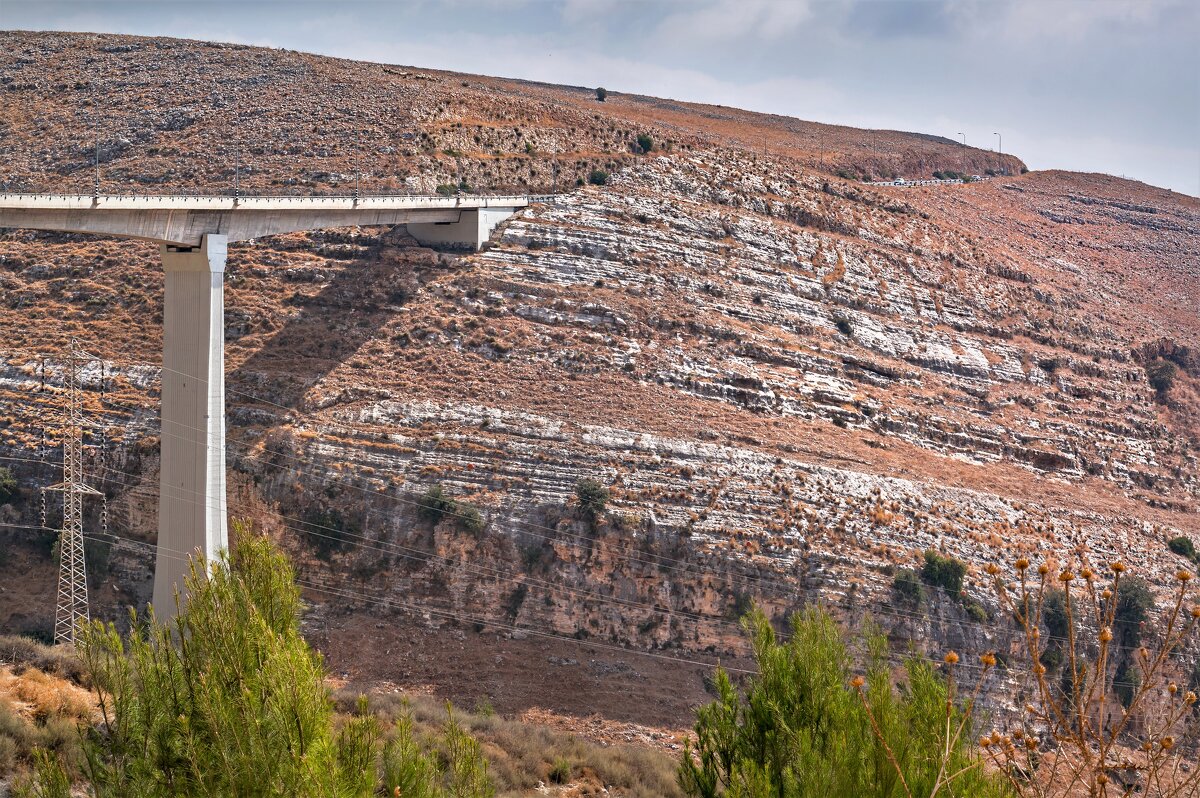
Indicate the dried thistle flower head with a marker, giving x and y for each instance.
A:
(1039, 669)
(1189, 698)
(1182, 575)
(1022, 563)
(988, 660)
(1118, 567)
(951, 658)
(1107, 594)
(857, 682)
(991, 569)
(1066, 576)
(1196, 611)
(1167, 743)
(1106, 635)
(1043, 569)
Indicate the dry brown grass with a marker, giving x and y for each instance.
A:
(522, 756)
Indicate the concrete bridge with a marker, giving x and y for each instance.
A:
(193, 234)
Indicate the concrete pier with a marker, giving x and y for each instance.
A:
(193, 234)
(192, 515)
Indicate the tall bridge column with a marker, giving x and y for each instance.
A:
(191, 502)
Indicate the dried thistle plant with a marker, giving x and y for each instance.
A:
(1116, 723)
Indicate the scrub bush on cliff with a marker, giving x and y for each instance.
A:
(227, 699)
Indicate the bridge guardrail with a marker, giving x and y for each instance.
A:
(268, 202)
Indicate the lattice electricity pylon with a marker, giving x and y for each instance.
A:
(72, 609)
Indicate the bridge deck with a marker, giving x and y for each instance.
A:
(179, 220)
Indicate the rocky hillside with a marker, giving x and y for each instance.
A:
(790, 383)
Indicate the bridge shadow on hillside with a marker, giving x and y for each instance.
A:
(329, 328)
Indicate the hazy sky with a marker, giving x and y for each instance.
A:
(1091, 85)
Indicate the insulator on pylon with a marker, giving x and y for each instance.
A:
(43, 509)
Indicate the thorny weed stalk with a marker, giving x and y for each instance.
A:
(1117, 724)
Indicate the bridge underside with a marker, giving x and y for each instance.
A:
(193, 242)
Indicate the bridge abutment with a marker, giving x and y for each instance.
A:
(191, 503)
(472, 230)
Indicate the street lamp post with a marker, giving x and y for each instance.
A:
(1000, 152)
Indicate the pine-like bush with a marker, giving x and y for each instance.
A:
(805, 727)
(228, 699)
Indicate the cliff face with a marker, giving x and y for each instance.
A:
(791, 384)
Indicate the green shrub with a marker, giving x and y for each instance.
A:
(598, 177)
(799, 729)
(8, 484)
(742, 604)
(601, 94)
(1054, 614)
(1183, 546)
(434, 504)
(241, 707)
(645, 143)
(944, 572)
(1134, 603)
(844, 327)
(592, 497)
(560, 772)
(1126, 682)
(455, 768)
(328, 531)
(976, 611)
(512, 607)
(447, 189)
(469, 519)
(907, 586)
(1161, 374)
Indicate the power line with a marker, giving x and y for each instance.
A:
(417, 554)
(661, 561)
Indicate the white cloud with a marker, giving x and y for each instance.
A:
(1073, 20)
(719, 20)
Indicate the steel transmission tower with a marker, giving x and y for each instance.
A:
(72, 609)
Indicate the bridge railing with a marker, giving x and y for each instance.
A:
(268, 201)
